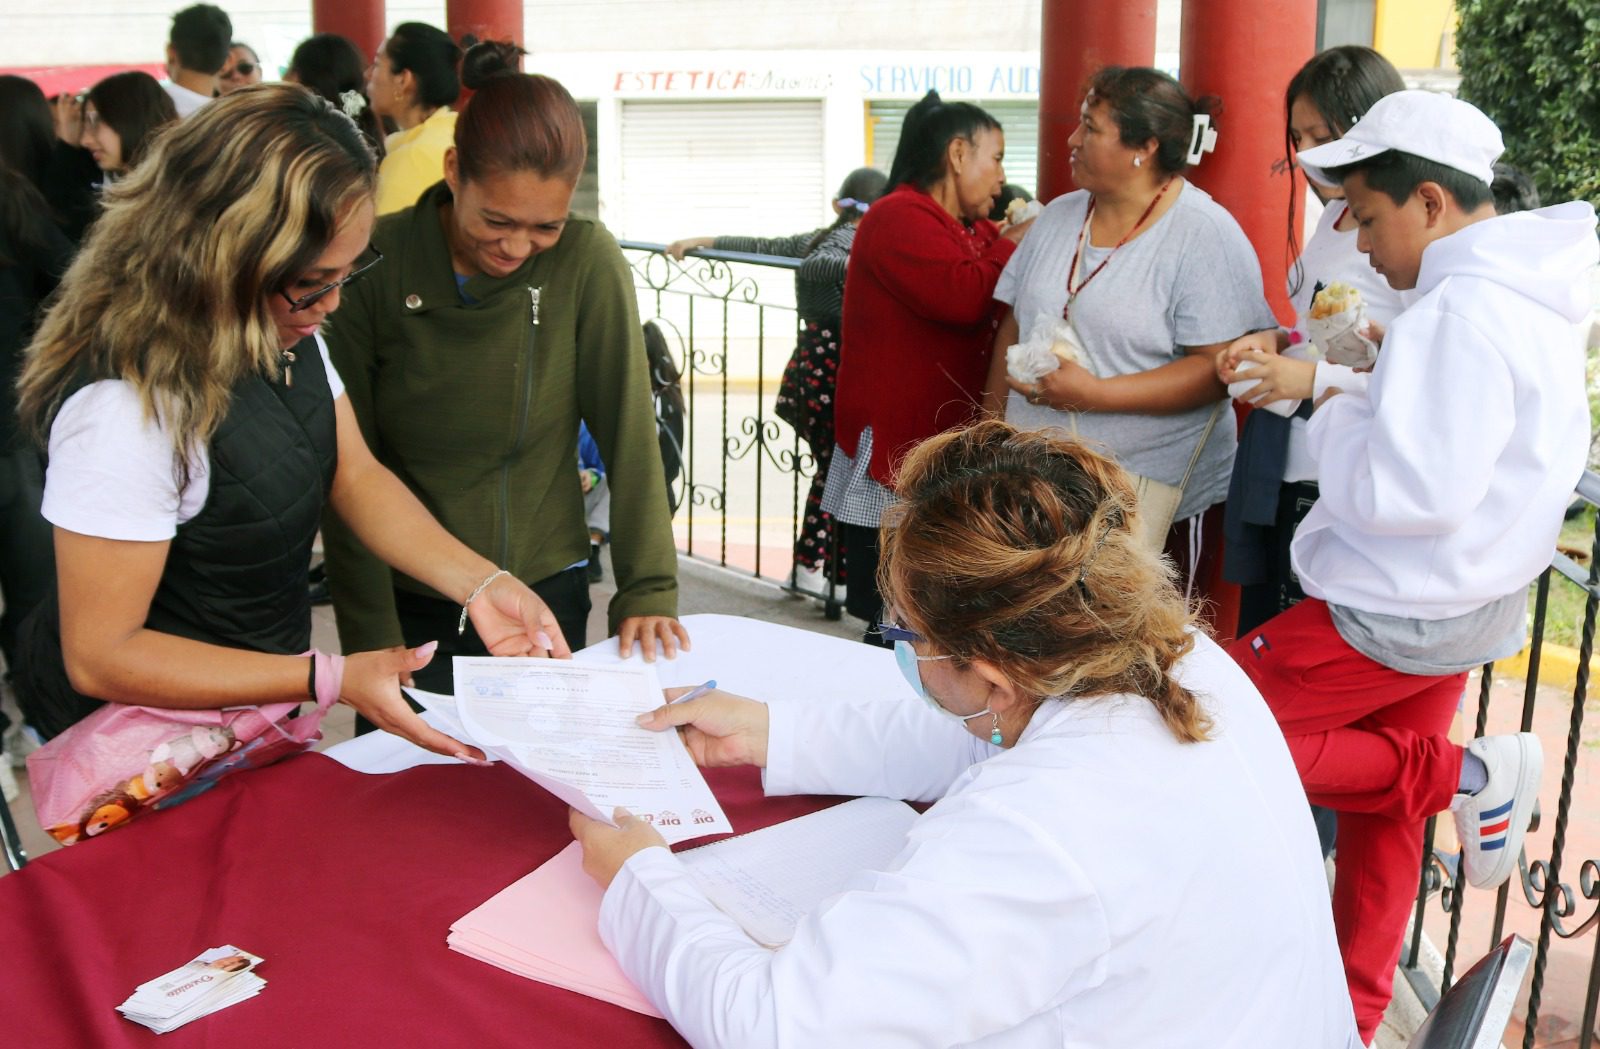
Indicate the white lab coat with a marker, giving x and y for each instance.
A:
(1443, 487)
(1097, 885)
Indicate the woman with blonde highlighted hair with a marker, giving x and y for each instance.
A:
(1116, 853)
(195, 430)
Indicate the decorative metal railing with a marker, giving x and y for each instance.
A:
(730, 320)
(1563, 891)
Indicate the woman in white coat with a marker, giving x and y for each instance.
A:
(1118, 853)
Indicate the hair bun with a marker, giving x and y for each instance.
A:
(489, 58)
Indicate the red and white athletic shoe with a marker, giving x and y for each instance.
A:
(1490, 824)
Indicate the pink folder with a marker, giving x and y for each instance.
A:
(545, 926)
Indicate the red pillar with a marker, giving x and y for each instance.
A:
(485, 19)
(1079, 37)
(362, 21)
(1245, 52)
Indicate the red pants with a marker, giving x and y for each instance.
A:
(1370, 743)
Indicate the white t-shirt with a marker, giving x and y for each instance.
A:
(111, 472)
(184, 100)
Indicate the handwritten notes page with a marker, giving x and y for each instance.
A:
(769, 879)
(570, 728)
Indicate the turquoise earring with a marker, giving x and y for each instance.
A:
(995, 737)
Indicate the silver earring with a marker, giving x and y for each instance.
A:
(1138, 161)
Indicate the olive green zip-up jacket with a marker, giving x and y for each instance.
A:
(476, 408)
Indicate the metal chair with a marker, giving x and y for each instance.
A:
(1475, 1010)
(10, 840)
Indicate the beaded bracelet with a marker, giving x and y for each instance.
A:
(461, 627)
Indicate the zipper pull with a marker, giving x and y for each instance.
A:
(533, 305)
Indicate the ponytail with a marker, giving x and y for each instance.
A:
(930, 126)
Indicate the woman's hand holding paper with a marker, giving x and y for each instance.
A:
(371, 685)
(607, 848)
(719, 728)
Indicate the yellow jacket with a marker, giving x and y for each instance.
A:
(414, 161)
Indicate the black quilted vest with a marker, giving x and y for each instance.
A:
(235, 572)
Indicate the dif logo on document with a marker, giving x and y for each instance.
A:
(668, 818)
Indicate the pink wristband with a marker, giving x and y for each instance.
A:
(330, 678)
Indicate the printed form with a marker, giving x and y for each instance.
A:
(570, 728)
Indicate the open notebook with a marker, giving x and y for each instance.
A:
(545, 925)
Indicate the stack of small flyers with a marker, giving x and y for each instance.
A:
(215, 980)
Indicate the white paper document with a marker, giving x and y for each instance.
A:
(769, 879)
(570, 728)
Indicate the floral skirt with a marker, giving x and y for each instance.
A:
(805, 401)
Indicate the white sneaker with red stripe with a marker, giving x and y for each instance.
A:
(1491, 823)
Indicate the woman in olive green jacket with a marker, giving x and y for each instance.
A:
(496, 323)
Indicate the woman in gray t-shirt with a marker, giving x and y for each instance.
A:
(1164, 279)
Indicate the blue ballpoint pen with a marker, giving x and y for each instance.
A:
(696, 692)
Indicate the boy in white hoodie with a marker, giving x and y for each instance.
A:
(1443, 485)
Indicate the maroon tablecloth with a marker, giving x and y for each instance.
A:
(346, 883)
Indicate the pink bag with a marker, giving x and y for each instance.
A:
(123, 761)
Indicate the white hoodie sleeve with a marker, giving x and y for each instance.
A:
(1417, 455)
(1338, 378)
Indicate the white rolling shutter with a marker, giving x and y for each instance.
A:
(1019, 120)
(694, 169)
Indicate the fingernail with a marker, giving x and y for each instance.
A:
(542, 639)
(427, 650)
(645, 718)
(470, 760)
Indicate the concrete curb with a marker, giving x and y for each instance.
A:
(1558, 666)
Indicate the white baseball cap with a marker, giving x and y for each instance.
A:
(1425, 124)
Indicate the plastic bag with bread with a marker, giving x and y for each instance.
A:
(1020, 210)
(1051, 342)
(1337, 322)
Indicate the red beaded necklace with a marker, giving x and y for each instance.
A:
(1083, 234)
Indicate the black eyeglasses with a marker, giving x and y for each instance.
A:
(305, 302)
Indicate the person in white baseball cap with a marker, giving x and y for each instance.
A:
(1426, 124)
(1442, 486)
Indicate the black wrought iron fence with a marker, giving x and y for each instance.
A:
(1557, 891)
(730, 320)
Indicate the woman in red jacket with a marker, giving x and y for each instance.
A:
(918, 319)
